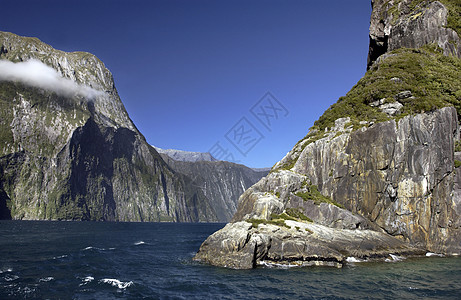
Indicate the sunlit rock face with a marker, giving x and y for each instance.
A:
(410, 24)
(399, 176)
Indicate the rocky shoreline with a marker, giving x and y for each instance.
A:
(241, 246)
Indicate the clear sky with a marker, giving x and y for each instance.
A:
(194, 74)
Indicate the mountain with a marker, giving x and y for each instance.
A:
(220, 181)
(180, 155)
(69, 151)
(378, 173)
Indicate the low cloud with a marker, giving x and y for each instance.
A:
(35, 73)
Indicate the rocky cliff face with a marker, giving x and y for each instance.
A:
(78, 156)
(413, 23)
(222, 182)
(377, 174)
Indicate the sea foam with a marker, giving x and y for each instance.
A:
(394, 258)
(46, 279)
(117, 283)
(429, 254)
(87, 280)
(6, 270)
(352, 259)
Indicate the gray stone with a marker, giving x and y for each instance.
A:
(240, 246)
(403, 95)
(426, 24)
(392, 108)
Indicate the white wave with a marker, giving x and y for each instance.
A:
(46, 279)
(429, 254)
(6, 270)
(352, 259)
(394, 258)
(117, 283)
(87, 280)
(96, 248)
(10, 278)
(61, 256)
(139, 243)
(275, 265)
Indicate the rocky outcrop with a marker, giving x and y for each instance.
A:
(241, 246)
(377, 175)
(390, 188)
(221, 182)
(410, 24)
(73, 157)
(398, 175)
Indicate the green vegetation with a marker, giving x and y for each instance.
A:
(312, 193)
(457, 163)
(277, 194)
(297, 214)
(283, 216)
(458, 146)
(432, 78)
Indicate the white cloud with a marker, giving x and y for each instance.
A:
(35, 73)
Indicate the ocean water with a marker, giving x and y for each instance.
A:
(91, 260)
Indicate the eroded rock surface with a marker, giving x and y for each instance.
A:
(397, 24)
(240, 246)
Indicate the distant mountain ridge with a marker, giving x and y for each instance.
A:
(181, 155)
(222, 182)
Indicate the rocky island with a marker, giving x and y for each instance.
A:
(377, 176)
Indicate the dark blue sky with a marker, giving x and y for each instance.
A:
(189, 71)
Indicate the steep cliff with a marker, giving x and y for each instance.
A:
(377, 174)
(414, 23)
(68, 149)
(222, 182)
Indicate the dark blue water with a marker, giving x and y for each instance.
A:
(85, 260)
